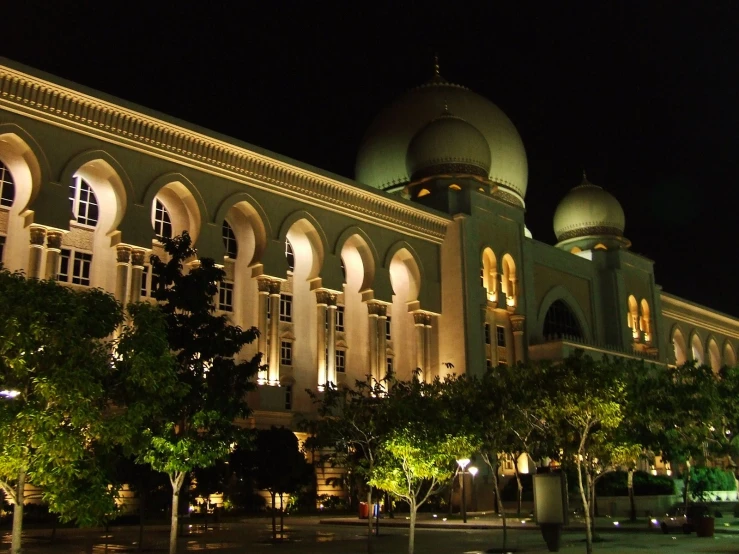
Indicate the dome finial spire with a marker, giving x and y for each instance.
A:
(437, 73)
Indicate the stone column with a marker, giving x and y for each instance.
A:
(381, 340)
(273, 373)
(419, 320)
(372, 311)
(138, 255)
(38, 234)
(123, 257)
(53, 253)
(263, 285)
(427, 347)
(331, 340)
(517, 326)
(322, 298)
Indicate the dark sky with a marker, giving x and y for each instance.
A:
(643, 95)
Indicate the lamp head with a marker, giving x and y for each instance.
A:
(463, 463)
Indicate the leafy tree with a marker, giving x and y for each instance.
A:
(200, 429)
(725, 437)
(279, 467)
(679, 415)
(351, 425)
(418, 457)
(76, 390)
(582, 403)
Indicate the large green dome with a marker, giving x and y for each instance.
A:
(381, 162)
(588, 210)
(448, 144)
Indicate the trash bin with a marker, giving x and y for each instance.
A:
(363, 510)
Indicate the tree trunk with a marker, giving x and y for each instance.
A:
(520, 490)
(686, 489)
(369, 514)
(176, 481)
(282, 518)
(586, 509)
(632, 502)
(593, 503)
(15, 545)
(499, 504)
(274, 520)
(412, 530)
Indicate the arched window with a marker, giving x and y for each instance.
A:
(508, 283)
(229, 241)
(697, 349)
(290, 255)
(83, 202)
(489, 274)
(162, 221)
(645, 321)
(7, 186)
(678, 343)
(633, 317)
(561, 322)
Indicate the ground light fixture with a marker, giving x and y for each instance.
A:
(9, 393)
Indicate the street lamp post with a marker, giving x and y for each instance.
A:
(473, 471)
(463, 463)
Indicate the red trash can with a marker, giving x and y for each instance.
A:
(363, 510)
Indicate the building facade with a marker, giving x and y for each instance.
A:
(424, 261)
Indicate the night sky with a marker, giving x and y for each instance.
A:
(642, 95)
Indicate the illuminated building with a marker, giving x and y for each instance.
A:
(423, 261)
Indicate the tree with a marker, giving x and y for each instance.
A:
(70, 376)
(725, 437)
(582, 404)
(497, 408)
(351, 425)
(679, 415)
(279, 467)
(200, 429)
(418, 457)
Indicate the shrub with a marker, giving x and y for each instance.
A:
(615, 483)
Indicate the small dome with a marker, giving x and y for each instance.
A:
(588, 210)
(448, 144)
(381, 161)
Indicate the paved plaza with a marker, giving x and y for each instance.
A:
(307, 535)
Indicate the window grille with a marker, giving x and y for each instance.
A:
(229, 241)
(162, 221)
(7, 186)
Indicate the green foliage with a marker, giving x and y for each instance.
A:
(707, 479)
(82, 393)
(645, 484)
(278, 465)
(199, 429)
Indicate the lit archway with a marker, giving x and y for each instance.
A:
(405, 279)
(714, 355)
(696, 349)
(508, 283)
(490, 274)
(729, 355)
(633, 317)
(645, 321)
(679, 347)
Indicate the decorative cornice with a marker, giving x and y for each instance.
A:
(699, 316)
(83, 113)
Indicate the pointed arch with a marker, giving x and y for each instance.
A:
(307, 239)
(358, 241)
(181, 198)
(558, 292)
(109, 181)
(252, 215)
(679, 346)
(713, 354)
(402, 255)
(508, 282)
(729, 354)
(26, 160)
(490, 273)
(696, 348)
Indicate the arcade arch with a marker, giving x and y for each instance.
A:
(696, 348)
(490, 274)
(679, 347)
(729, 355)
(405, 280)
(508, 283)
(714, 355)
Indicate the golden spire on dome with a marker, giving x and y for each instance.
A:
(437, 73)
